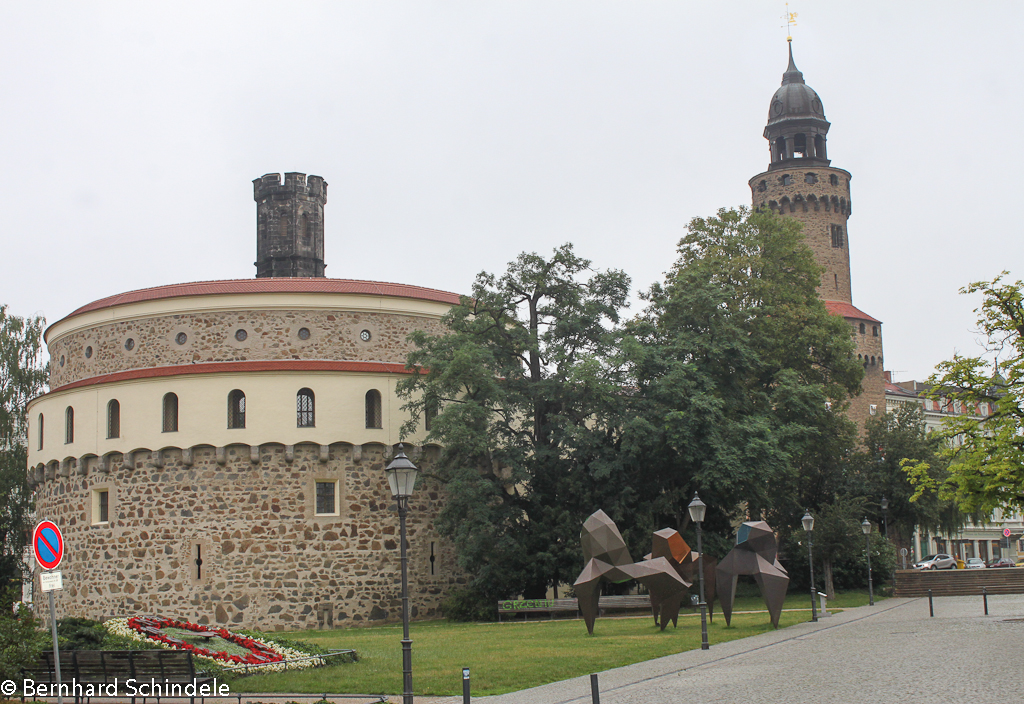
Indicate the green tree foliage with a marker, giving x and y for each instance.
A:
(742, 375)
(22, 377)
(527, 404)
(20, 638)
(893, 439)
(985, 454)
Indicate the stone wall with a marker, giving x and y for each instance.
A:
(869, 351)
(819, 205)
(195, 337)
(267, 561)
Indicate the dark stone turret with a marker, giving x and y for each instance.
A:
(796, 123)
(290, 225)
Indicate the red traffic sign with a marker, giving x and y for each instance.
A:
(1006, 532)
(48, 545)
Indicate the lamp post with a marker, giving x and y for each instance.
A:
(808, 521)
(866, 527)
(697, 509)
(401, 474)
(885, 515)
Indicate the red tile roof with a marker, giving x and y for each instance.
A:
(283, 365)
(281, 285)
(848, 311)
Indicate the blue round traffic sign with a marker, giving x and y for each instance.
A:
(48, 545)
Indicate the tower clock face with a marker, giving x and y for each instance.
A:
(777, 107)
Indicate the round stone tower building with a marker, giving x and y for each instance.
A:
(801, 183)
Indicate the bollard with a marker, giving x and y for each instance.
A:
(931, 607)
(465, 685)
(595, 695)
(984, 596)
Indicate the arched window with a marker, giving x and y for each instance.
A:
(39, 444)
(863, 329)
(69, 425)
(113, 419)
(305, 409)
(429, 414)
(874, 330)
(306, 235)
(170, 413)
(373, 412)
(236, 409)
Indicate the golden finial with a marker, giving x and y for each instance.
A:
(790, 18)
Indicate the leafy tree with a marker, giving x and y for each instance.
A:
(20, 637)
(742, 374)
(22, 377)
(527, 402)
(985, 454)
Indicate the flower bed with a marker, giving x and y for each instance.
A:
(254, 653)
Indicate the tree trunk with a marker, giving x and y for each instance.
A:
(830, 589)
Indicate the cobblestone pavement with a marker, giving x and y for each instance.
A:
(891, 652)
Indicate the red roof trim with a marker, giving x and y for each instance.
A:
(285, 365)
(269, 285)
(848, 311)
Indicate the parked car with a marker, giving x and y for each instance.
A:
(936, 562)
(975, 563)
(1002, 562)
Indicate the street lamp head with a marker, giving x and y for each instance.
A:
(697, 509)
(401, 475)
(808, 521)
(866, 526)
(885, 503)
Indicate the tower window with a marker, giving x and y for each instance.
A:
(327, 497)
(39, 443)
(762, 186)
(836, 278)
(236, 409)
(305, 414)
(113, 419)
(373, 409)
(305, 230)
(874, 331)
(429, 414)
(786, 180)
(810, 178)
(800, 146)
(69, 425)
(101, 506)
(837, 236)
(170, 413)
(862, 329)
(819, 146)
(834, 180)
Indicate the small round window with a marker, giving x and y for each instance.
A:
(181, 338)
(241, 334)
(88, 352)
(62, 360)
(129, 344)
(303, 333)
(365, 336)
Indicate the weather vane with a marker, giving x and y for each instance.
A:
(790, 18)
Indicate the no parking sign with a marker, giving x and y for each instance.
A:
(48, 545)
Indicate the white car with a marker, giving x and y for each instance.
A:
(975, 563)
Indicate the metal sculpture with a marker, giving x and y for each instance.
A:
(669, 544)
(755, 554)
(607, 560)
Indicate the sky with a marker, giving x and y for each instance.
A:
(455, 135)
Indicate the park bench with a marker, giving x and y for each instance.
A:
(98, 668)
(627, 602)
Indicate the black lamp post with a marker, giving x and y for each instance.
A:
(808, 521)
(402, 480)
(885, 515)
(866, 527)
(697, 510)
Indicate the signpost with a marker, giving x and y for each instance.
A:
(48, 547)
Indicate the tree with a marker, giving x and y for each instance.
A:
(743, 375)
(22, 376)
(985, 453)
(527, 401)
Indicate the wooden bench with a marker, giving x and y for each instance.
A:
(100, 668)
(628, 602)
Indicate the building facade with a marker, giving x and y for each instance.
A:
(216, 450)
(801, 183)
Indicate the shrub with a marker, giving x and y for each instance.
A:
(76, 633)
(469, 605)
(21, 641)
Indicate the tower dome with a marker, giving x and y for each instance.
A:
(797, 126)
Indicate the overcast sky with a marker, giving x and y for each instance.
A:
(455, 135)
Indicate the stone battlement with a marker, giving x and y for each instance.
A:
(269, 185)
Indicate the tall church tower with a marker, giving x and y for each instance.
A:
(290, 225)
(801, 183)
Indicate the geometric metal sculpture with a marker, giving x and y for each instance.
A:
(607, 559)
(755, 554)
(669, 544)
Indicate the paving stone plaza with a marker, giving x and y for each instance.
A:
(890, 652)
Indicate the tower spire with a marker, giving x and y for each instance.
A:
(792, 74)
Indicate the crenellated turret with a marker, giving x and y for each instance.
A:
(290, 225)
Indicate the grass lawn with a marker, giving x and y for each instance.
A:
(505, 657)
